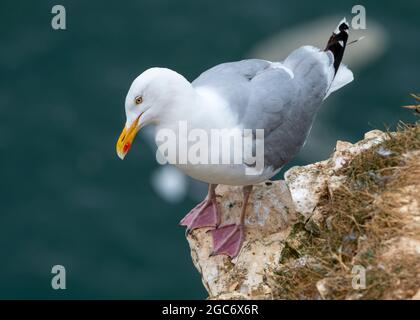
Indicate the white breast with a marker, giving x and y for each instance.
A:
(226, 174)
(211, 112)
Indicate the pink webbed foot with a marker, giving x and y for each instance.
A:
(205, 214)
(228, 240)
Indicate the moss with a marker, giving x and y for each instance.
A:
(297, 228)
(312, 227)
(288, 253)
(357, 220)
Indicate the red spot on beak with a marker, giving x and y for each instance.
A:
(127, 147)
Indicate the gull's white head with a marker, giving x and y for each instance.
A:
(151, 96)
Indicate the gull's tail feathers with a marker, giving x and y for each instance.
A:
(337, 43)
(342, 77)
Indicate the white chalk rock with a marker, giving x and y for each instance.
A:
(269, 215)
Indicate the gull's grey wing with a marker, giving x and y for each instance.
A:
(281, 98)
(285, 105)
(232, 81)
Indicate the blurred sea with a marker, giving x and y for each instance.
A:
(65, 197)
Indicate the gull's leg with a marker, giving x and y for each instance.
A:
(228, 239)
(205, 214)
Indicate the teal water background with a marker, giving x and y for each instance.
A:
(65, 197)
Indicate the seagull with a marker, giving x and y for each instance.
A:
(281, 98)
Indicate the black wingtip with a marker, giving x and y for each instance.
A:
(337, 43)
(343, 27)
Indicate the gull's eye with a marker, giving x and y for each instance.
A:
(138, 100)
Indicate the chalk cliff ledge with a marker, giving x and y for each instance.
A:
(344, 228)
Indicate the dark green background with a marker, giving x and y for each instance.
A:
(65, 197)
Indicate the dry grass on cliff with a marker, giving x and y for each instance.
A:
(360, 221)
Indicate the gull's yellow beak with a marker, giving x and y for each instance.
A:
(126, 138)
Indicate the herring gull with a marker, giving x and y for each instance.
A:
(281, 98)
